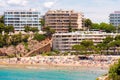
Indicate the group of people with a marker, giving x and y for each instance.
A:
(91, 61)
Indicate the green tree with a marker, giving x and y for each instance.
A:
(6, 39)
(110, 28)
(84, 47)
(117, 37)
(95, 26)
(104, 26)
(27, 28)
(114, 45)
(42, 22)
(2, 20)
(88, 23)
(78, 48)
(39, 37)
(1, 41)
(25, 38)
(101, 47)
(47, 28)
(16, 39)
(9, 29)
(6, 29)
(57, 52)
(118, 29)
(114, 72)
(52, 31)
(1, 27)
(49, 32)
(88, 44)
(108, 39)
(107, 27)
(34, 29)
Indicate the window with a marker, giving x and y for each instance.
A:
(16, 12)
(22, 12)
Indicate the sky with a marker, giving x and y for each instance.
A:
(97, 10)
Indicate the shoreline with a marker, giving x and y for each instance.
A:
(100, 62)
(39, 66)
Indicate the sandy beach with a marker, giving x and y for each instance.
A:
(59, 61)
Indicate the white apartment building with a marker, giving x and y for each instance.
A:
(114, 18)
(64, 41)
(60, 20)
(19, 19)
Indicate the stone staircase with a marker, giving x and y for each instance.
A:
(44, 47)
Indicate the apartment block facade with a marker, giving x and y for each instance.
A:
(64, 41)
(61, 20)
(19, 19)
(114, 18)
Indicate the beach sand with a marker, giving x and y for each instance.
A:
(56, 62)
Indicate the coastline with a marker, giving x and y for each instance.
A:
(58, 66)
(100, 62)
(85, 71)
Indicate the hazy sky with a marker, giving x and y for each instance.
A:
(96, 10)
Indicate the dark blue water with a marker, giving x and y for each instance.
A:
(49, 74)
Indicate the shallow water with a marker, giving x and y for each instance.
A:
(49, 74)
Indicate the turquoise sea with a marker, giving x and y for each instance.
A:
(49, 74)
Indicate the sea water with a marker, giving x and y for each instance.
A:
(50, 74)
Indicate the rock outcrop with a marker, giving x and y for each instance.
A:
(22, 49)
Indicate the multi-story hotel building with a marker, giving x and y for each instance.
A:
(114, 18)
(19, 19)
(64, 41)
(60, 20)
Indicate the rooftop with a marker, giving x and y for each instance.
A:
(62, 11)
(116, 12)
(30, 10)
